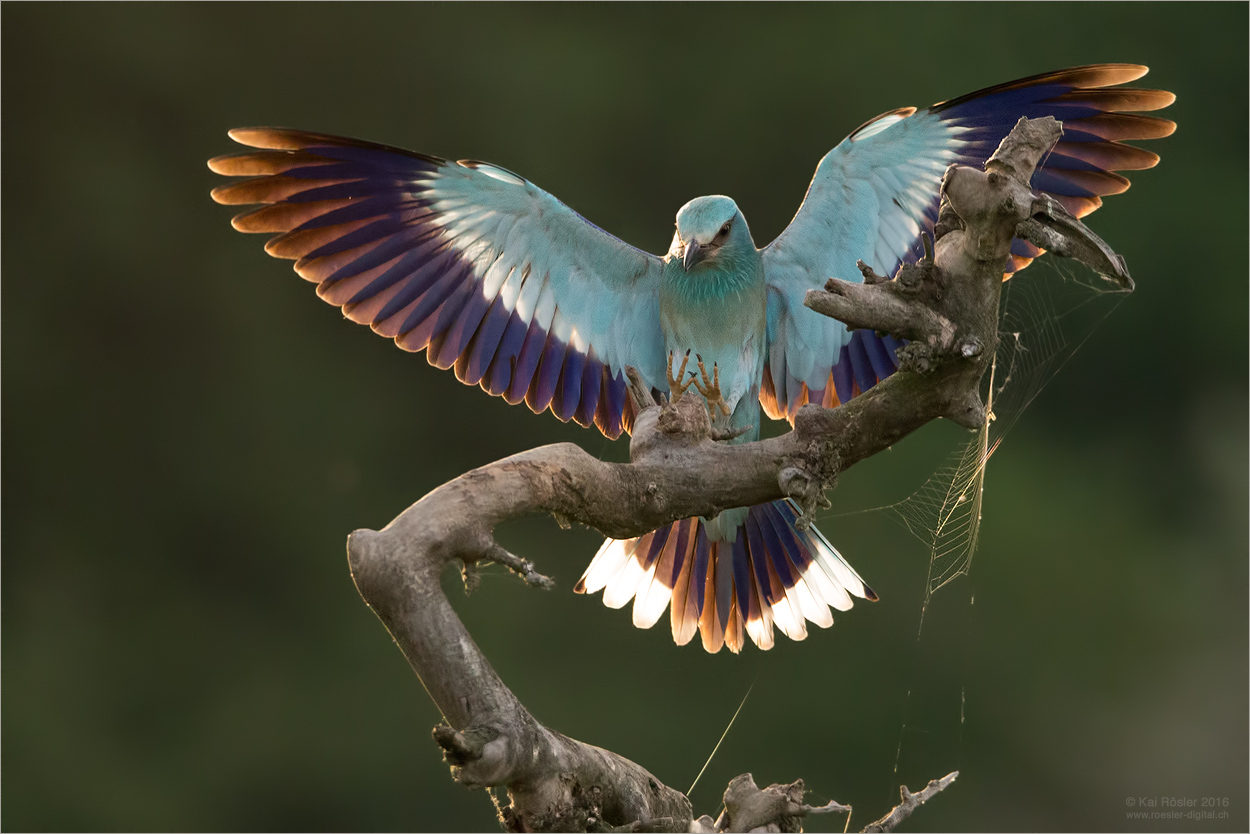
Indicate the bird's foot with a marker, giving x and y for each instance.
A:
(710, 389)
(675, 386)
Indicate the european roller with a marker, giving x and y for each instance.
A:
(494, 277)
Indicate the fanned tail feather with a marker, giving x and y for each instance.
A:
(770, 574)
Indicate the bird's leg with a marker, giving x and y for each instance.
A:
(675, 386)
(710, 389)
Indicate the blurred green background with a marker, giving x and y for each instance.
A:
(190, 434)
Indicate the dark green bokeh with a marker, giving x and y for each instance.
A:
(190, 434)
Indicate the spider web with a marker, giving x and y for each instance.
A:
(1047, 314)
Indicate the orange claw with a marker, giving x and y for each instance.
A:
(710, 389)
(675, 386)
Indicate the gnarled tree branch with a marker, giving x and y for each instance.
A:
(947, 306)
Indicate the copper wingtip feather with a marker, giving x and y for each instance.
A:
(220, 195)
(222, 165)
(268, 138)
(1089, 77)
(1120, 99)
(1099, 75)
(1120, 73)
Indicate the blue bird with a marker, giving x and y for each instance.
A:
(491, 275)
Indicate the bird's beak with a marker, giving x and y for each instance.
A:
(693, 254)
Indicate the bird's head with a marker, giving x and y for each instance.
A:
(710, 230)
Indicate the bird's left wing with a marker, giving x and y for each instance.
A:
(471, 263)
(874, 194)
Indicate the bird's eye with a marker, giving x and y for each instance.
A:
(724, 230)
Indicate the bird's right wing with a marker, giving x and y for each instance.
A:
(471, 263)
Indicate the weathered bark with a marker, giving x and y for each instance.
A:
(946, 306)
(910, 802)
(781, 807)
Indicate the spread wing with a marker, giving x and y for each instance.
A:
(875, 192)
(478, 267)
